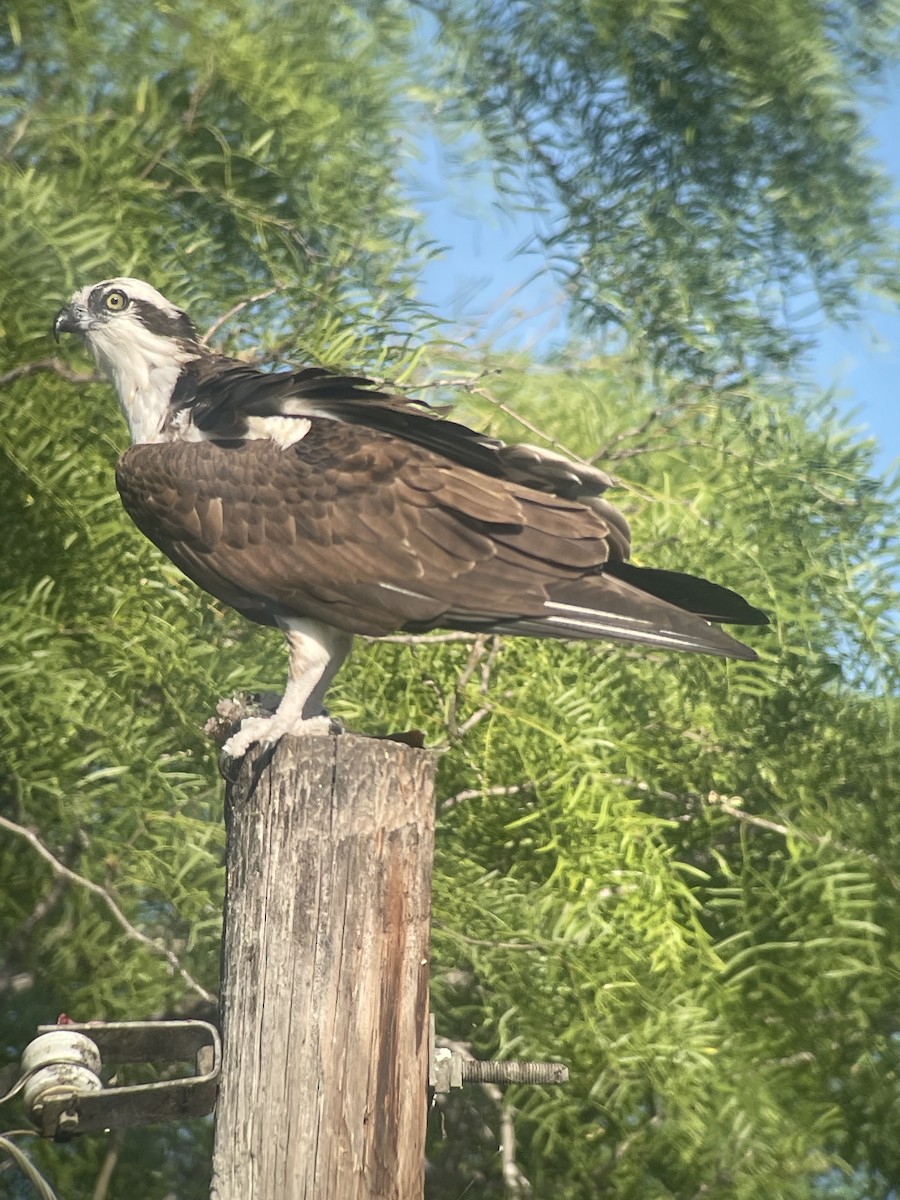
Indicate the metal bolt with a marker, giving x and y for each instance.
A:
(512, 1071)
(451, 1068)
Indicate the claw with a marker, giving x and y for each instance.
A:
(266, 731)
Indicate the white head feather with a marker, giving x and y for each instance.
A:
(141, 362)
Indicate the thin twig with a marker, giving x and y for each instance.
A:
(669, 415)
(79, 880)
(761, 822)
(56, 365)
(466, 383)
(110, 1160)
(17, 135)
(235, 309)
(475, 719)
(476, 654)
(515, 1182)
(422, 639)
(197, 94)
(513, 789)
(604, 452)
(488, 944)
(619, 456)
(529, 425)
(483, 653)
(488, 664)
(457, 734)
(714, 800)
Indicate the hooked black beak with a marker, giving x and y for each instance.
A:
(64, 322)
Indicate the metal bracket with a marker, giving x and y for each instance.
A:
(451, 1068)
(64, 1094)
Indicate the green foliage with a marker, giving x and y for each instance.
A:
(182, 134)
(690, 898)
(676, 874)
(697, 167)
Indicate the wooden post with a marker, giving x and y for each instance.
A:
(325, 973)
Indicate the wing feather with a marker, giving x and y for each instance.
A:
(373, 534)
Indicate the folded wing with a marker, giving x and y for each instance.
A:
(373, 534)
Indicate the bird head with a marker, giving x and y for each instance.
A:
(119, 312)
(139, 340)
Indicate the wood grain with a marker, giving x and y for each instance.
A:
(325, 973)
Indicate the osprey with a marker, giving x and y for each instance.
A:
(323, 505)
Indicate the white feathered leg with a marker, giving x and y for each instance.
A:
(316, 652)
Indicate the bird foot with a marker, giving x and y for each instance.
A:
(266, 731)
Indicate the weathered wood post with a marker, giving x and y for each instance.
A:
(325, 973)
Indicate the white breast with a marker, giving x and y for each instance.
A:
(144, 369)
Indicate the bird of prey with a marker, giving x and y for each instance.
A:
(323, 505)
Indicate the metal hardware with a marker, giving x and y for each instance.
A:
(64, 1093)
(451, 1068)
(57, 1066)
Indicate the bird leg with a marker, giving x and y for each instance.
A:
(316, 652)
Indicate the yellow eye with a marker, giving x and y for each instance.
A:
(116, 301)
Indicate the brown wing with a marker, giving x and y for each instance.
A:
(223, 395)
(372, 534)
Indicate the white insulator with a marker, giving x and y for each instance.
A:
(61, 1046)
(58, 1064)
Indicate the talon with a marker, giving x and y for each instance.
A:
(266, 731)
(228, 766)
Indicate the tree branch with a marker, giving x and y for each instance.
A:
(476, 793)
(513, 1177)
(529, 425)
(739, 814)
(56, 365)
(235, 309)
(515, 1182)
(486, 943)
(88, 885)
(110, 1160)
(723, 804)
(421, 639)
(465, 383)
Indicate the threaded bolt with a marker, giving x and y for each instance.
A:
(512, 1071)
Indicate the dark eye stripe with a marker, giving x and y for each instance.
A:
(176, 324)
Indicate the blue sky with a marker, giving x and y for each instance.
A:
(497, 293)
(865, 361)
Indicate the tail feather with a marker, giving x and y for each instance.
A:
(689, 592)
(604, 607)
